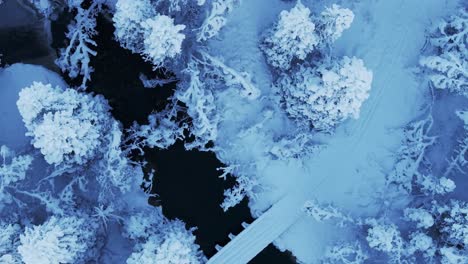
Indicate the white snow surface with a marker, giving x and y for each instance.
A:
(350, 171)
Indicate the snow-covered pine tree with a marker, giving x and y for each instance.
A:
(449, 66)
(325, 96)
(159, 240)
(292, 37)
(67, 126)
(65, 239)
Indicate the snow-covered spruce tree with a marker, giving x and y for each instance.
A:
(175, 246)
(9, 241)
(66, 239)
(449, 71)
(292, 37)
(385, 238)
(325, 96)
(332, 22)
(449, 65)
(452, 223)
(158, 240)
(162, 39)
(297, 33)
(141, 29)
(128, 16)
(442, 228)
(76, 133)
(76, 57)
(67, 126)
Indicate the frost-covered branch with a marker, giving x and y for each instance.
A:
(162, 131)
(230, 76)
(228, 170)
(115, 168)
(244, 187)
(450, 35)
(201, 107)
(216, 18)
(295, 147)
(75, 58)
(52, 204)
(156, 82)
(324, 212)
(105, 214)
(12, 169)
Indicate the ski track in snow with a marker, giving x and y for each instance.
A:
(350, 172)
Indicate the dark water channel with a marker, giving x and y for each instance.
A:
(187, 182)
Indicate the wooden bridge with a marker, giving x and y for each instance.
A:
(259, 234)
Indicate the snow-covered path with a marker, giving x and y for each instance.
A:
(351, 171)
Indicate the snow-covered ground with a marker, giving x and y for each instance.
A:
(350, 171)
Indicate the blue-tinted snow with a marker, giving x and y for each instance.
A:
(350, 172)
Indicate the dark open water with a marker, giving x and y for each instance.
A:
(187, 182)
